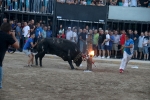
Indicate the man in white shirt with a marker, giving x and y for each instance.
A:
(125, 3)
(26, 31)
(140, 44)
(115, 43)
(107, 43)
(74, 35)
(69, 34)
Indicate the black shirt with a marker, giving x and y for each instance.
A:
(146, 37)
(142, 3)
(132, 36)
(5, 41)
(32, 27)
(101, 38)
(136, 36)
(83, 36)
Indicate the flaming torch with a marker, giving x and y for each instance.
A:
(90, 54)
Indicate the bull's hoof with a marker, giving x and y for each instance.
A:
(72, 68)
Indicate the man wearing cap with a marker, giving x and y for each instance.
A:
(69, 34)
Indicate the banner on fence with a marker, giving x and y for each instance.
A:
(81, 12)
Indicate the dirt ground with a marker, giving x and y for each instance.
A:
(55, 81)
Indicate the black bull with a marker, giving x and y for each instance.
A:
(65, 49)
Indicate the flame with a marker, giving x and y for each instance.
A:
(91, 53)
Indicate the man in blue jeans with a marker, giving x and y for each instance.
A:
(6, 38)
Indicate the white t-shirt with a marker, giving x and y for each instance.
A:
(140, 42)
(61, 31)
(84, 3)
(25, 31)
(125, 3)
(74, 34)
(107, 38)
(145, 40)
(69, 35)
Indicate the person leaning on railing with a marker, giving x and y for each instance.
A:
(61, 1)
(70, 1)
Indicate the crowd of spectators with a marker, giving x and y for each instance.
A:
(31, 6)
(106, 44)
(23, 30)
(83, 2)
(126, 3)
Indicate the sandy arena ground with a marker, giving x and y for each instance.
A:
(55, 81)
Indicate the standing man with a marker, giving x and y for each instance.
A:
(140, 44)
(38, 32)
(18, 32)
(74, 35)
(26, 31)
(95, 42)
(122, 38)
(107, 44)
(128, 52)
(48, 32)
(82, 38)
(116, 43)
(80, 31)
(145, 46)
(32, 26)
(136, 36)
(101, 41)
(69, 34)
(111, 42)
(6, 38)
(131, 34)
(44, 32)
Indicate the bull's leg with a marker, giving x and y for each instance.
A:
(69, 60)
(41, 57)
(36, 59)
(70, 63)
